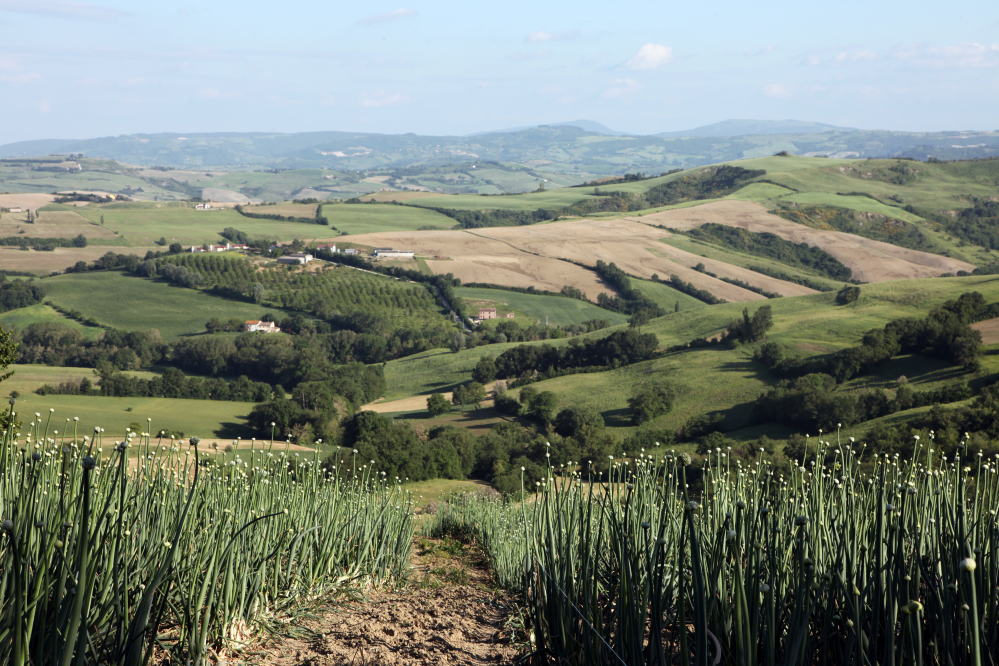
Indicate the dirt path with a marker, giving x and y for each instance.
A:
(448, 613)
(989, 330)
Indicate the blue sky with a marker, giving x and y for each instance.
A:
(79, 69)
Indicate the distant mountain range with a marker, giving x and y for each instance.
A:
(562, 147)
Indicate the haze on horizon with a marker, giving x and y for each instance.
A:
(79, 70)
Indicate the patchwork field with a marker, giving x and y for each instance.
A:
(26, 200)
(871, 261)
(525, 256)
(373, 218)
(24, 317)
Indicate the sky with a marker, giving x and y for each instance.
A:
(75, 70)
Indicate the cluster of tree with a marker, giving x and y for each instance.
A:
(772, 246)
(235, 235)
(738, 283)
(709, 183)
(976, 425)
(320, 406)
(178, 275)
(43, 244)
(88, 196)
(128, 262)
(617, 349)
(627, 178)
(847, 295)
(688, 288)
(944, 333)
(171, 384)
(977, 224)
(750, 328)
(55, 343)
(812, 403)
(474, 219)
(869, 225)
(16, 294)
(216, 325)
(629, 299)
(318, 219)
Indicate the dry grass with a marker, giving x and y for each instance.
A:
(989, 330)
(52, 224)
(59, 259)
(871, 261)
(25, 200)
(288, 209)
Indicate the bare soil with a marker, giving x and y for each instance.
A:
(448, 613)
(871, 261)
(989, 330)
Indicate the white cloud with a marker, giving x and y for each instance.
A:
(62, 8)
(758, 52)
(213, 94)
(650, 56)
(44, 107)
(778, 91)
(382, 98)
(545, 36)
(968, 55)
(621, 88)
(387, 16)
(863, 55)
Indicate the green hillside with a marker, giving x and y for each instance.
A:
(141, 304)
(558, 310)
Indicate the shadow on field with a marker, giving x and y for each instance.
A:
(228, 430)
(617, 418)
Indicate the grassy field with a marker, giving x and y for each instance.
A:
(666, 296)
(371, 218)
(29, 377)
(22, 317)
(723, 380)
(140, 304)
(560, 311)
(145, 224)
(532, 201)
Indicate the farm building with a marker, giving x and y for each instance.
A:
(14, 210)
(487, 313)
(295, 258)
(218, 248)
(331, 248)
(351, 250)
(389, 253)
(256, 326)
(509, 315)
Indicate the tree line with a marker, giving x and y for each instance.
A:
(16, 294)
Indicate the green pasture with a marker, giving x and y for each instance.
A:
(559, 310)
(860, 204)
(143, 225)
(666, 296)
(23, 317)
(203, 418)
(141, 304)
(559, 198)
(372, 218)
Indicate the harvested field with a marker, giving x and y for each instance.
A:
(43, 263)
(52, 224)
(225, 196)
(479, 259)
(989, 330)
(25, 200)
(871, 261)
(417, 402)
(525, 256)
(288, 210)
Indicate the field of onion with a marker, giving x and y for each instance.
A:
(853, 558)
(122, 552)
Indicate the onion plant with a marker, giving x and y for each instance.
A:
(114, 552)
(848, 559)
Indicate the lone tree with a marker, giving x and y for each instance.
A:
(650, 401)
(437, 404)
(639, 319)
(457, 342)
(543, 407)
